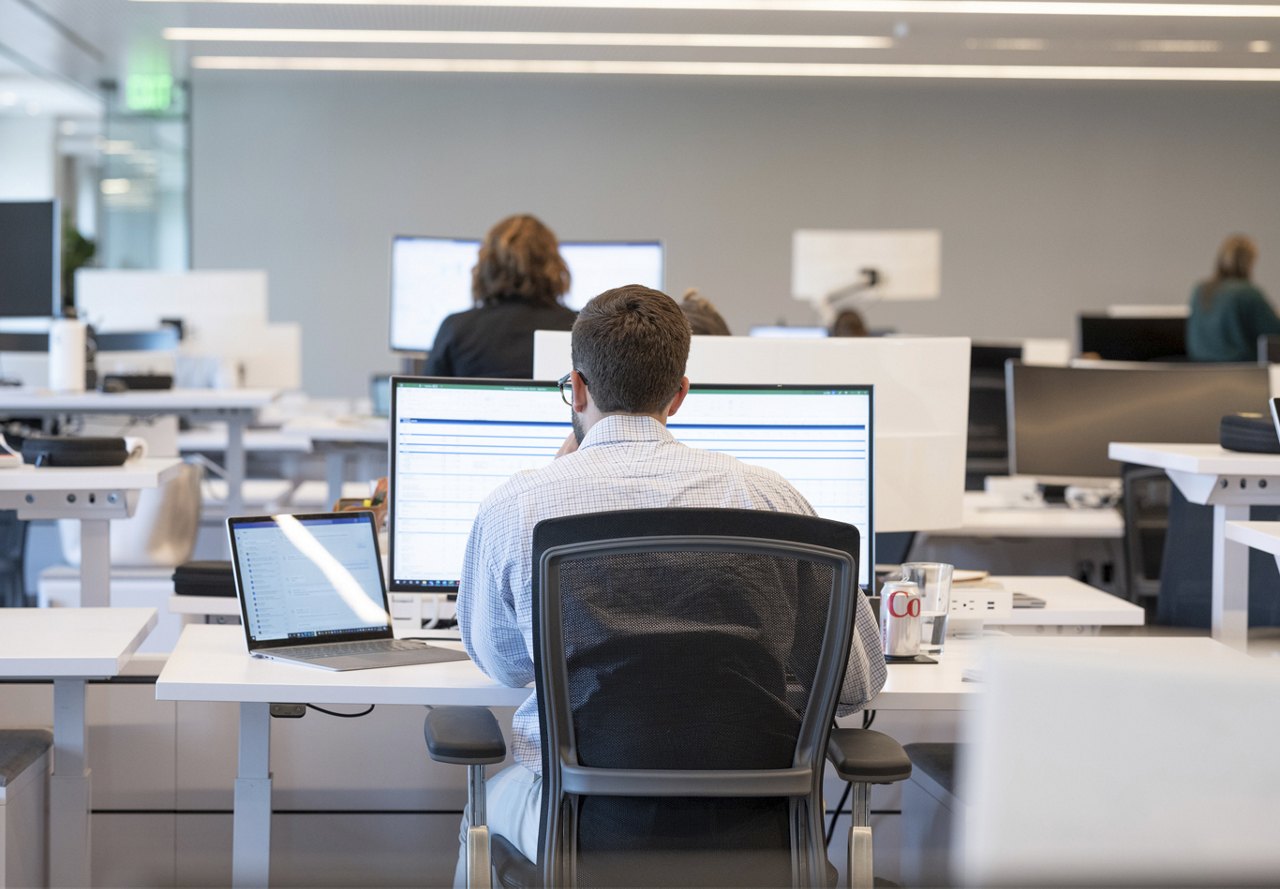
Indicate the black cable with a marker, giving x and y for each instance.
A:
(319, 709)
(844, 798)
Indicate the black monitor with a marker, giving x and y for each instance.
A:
(431, 279)
(29, 258)
(453, 441)
(1062, 419)
(1131, 339)
(987, 450)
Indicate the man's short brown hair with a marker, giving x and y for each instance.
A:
(631, 345)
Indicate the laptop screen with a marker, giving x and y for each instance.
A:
(454, 441)
(308, 579)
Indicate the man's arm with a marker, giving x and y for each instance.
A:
(866, 672)
(486, 610)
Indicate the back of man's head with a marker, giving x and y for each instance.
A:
(631, 345)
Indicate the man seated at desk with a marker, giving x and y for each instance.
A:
(629, 347)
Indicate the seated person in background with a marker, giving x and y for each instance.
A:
(849, 323)
(518, 282)
(1228, 313)
(629, 349)
(702, 316)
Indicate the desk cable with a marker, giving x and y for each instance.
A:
(326, 712)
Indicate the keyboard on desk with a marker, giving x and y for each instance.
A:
(340, 649)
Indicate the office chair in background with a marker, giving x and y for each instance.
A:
(685, 716)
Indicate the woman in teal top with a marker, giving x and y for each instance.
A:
(1228, 313)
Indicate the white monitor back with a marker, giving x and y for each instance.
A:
(921, 403)
(826, 262)
(1112, 761)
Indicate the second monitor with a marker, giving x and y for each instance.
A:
(431, 279)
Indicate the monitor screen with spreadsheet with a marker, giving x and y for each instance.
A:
(454, 441)
(431, 279)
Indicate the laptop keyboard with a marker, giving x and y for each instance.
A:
(342, 649)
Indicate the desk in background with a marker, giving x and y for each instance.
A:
(93, 494)
(1051, 539)
(69, 646)
(234, 407)
(360, 442)
(1230, 482)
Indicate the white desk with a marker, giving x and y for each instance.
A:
(69, 646)
(984, 517)
(342, 440)
(1230, 482)
(210, 663)
(1067, 603)
(234, 407)
(92, 494)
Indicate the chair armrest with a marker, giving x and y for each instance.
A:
(464, 735)
(864, 756)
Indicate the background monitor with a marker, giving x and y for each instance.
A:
(1061, 419)
(454, 441)
(431, 279)
(1131, 339)
(29, 259)
(922, 405)
(597, 266)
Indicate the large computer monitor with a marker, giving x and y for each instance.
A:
(29, 259)
(1061, 419)
(431, 279)
(922, 405)
(453, 441)
(1131, 338)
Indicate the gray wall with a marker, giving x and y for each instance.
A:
(1051, 198)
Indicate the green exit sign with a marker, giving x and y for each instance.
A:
(148, 92)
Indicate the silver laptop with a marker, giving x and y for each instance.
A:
(311, 592)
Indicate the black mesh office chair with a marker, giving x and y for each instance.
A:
(689, 664)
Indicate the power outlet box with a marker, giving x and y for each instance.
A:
(987, 605)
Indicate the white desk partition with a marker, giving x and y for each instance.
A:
(921, 404)
(225, 318)
(1120, 762)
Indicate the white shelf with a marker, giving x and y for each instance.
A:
(1264, 536)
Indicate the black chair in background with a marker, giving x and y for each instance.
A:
(13, 544)
(685, 712)
(1268, 349)
(1186, 571)
(1144, 504)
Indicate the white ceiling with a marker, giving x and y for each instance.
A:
(123, 36)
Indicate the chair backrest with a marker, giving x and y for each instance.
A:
(688, 667)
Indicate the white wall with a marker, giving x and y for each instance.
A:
(1050, 198)
(27, 158)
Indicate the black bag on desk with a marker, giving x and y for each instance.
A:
(54, 450)
(1252, 433)
(204, 578)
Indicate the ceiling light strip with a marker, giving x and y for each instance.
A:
(738, 69)
(528, 38)
(892, 7)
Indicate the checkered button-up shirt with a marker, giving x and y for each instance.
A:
(624, 462)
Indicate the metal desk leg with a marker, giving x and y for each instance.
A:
(69, 787)
(1230, 579)
(335, 462)
(95, 563)
(251, 828)
(236, 464)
